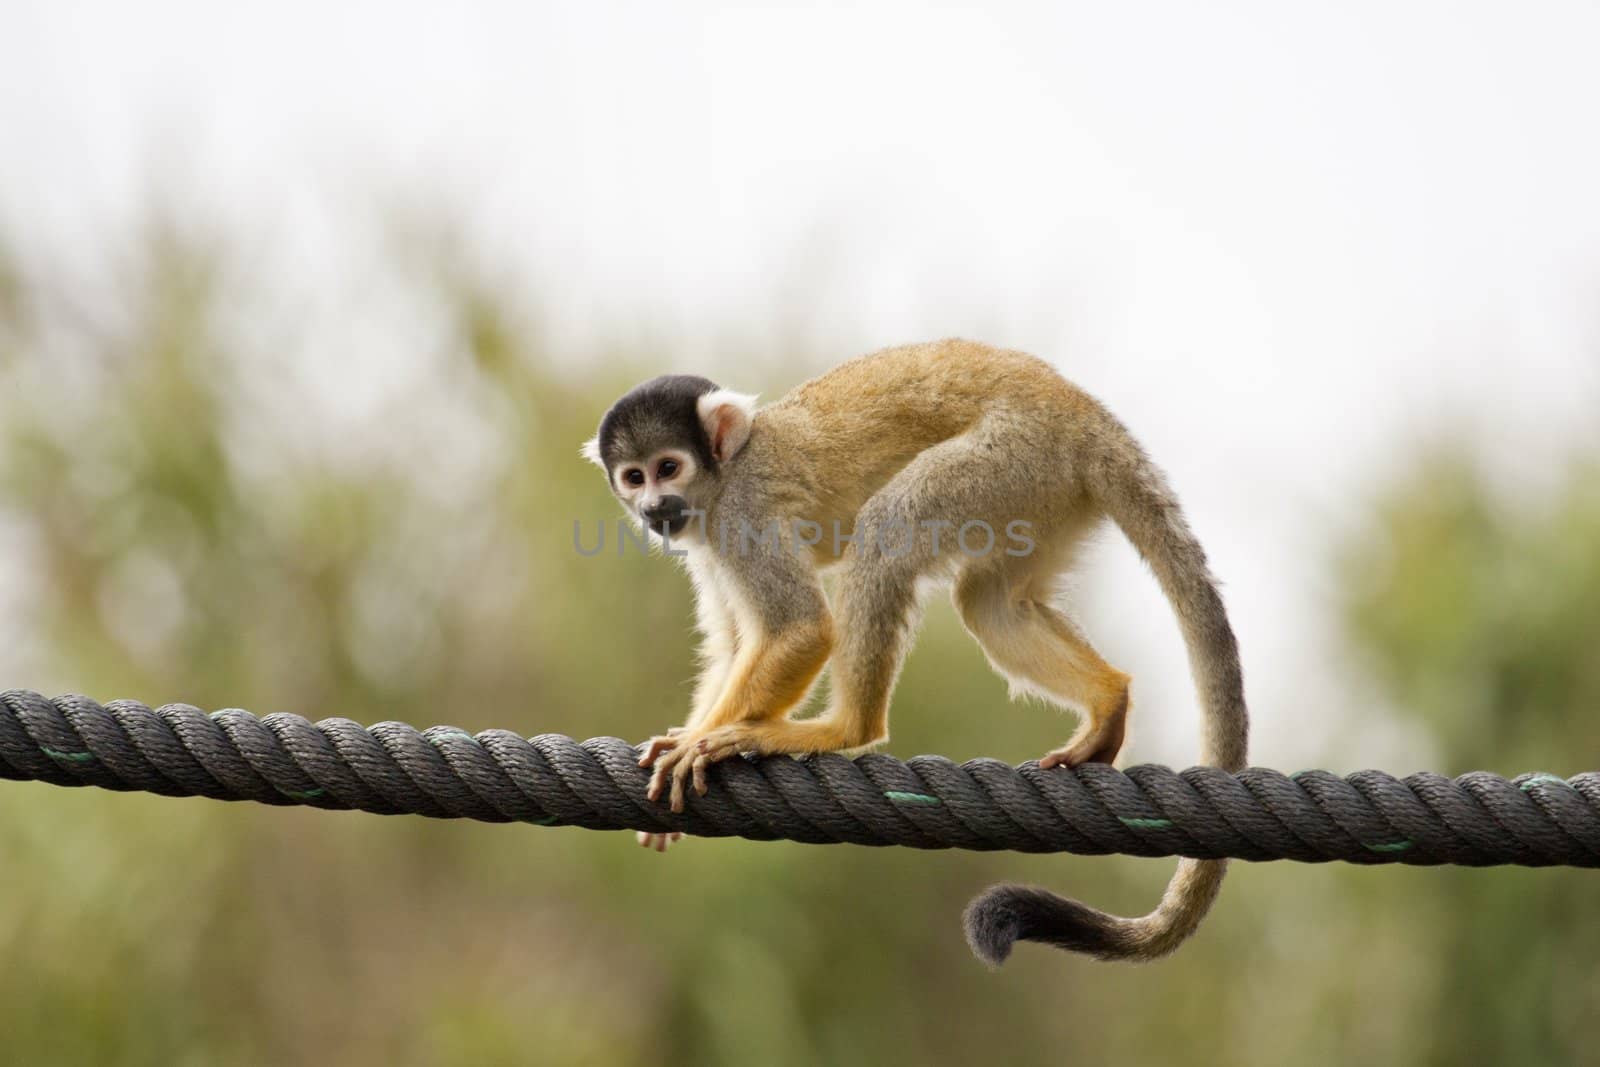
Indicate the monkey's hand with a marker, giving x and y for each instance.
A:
(680, 758)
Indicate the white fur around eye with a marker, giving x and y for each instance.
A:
(627, 488)
(685, 462)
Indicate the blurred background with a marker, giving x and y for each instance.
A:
(305, 309)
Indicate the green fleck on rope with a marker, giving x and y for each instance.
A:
(548, 820)
(1146, 824)
(911, 798)
(309, 794)
(437, 733)
(1389, 846)
(70, 757)
(1545, 779)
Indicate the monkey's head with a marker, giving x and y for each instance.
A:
(663, 446)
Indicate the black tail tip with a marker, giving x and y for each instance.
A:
(1002, 915)
(993, 923)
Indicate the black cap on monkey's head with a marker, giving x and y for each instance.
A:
(656, 414)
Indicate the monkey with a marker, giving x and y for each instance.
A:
(949, 437)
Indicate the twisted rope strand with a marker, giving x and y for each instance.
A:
(1478, 819)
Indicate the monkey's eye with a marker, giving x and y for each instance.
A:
(668, 468)
(633, 476)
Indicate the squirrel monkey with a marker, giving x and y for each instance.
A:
(897, 468)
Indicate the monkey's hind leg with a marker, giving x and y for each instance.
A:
(1038, 649)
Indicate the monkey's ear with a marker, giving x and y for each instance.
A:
(726, 417)
(590, 450)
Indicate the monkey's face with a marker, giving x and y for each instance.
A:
(659, 488)
(664, 447)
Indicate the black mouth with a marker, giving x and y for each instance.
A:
(668, 527)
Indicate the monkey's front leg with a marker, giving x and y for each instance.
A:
(719, 648)
(877, 610)
(771, 673)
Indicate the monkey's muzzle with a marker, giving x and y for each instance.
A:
(667, 516)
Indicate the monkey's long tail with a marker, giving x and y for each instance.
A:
(1134, 493)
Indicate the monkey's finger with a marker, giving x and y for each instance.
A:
(657, 780)
(1061, 758)
(680, 777)
(654, 749)
(700, 784)
(659, 842)
(658, 746)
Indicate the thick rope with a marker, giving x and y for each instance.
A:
(1478, 819)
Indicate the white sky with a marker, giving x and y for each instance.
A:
(1282, 241)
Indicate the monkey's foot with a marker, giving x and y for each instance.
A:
(1095, 746)
(659, 842)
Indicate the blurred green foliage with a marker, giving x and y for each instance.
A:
(1479, 611)
(187, 519)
